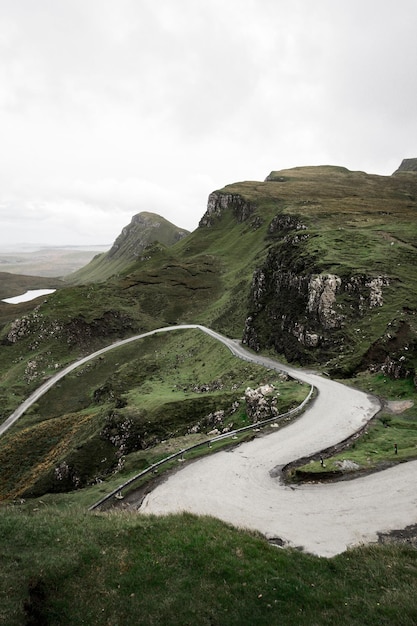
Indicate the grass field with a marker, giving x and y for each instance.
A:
(65, 566)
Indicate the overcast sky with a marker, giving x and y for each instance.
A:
(112, 107)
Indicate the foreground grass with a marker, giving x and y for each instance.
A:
(127, 569)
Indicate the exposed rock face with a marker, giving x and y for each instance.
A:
(144, 229)
(300, 310)
(261, 403)
(219, 202)
(322, 291)
(284, 223)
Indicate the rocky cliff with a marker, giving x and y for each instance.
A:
(303, 312)
(329, 284)
(218, 203)
(144, 228)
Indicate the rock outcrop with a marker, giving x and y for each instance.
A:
(261, 403)
(300, 310)
(218, 203)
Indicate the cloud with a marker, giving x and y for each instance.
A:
(107, 109)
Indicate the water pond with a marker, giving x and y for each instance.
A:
(31, 294)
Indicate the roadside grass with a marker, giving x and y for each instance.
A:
(389, 439)
(71, 323)
(129, 569)
(140, 460)
(137, 461)
(21, 461)
(385, 387)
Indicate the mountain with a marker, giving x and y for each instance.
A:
(407, 165)
(317, 264)
(144, 230)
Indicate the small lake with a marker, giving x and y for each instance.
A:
(29, 295)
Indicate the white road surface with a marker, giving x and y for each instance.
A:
(239, 486)
(324, 519)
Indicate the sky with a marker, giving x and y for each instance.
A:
(113, 107)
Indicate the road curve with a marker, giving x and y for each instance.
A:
(40, 391)
(240, 487)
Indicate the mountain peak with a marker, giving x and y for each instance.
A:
(407, 165)
(143, 229)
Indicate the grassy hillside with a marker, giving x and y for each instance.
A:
(127, 569)
(127, 402)
(16, 284)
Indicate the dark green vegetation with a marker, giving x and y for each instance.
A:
(316, 264)
(65, 566)
(387, 441)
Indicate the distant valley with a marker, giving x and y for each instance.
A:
(49, 261)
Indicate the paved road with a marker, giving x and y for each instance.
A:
(241, 488)
(34, 397)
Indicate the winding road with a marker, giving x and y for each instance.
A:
(243, 486)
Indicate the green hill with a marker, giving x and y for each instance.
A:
(315, 264)
(144, 230)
